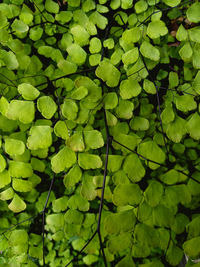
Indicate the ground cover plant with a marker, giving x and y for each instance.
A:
(99, 133)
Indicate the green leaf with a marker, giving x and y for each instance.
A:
(88, 188)
(185, 103)
(7, 194)
(14, 146)
(95, 45)
(141, 6)
(126, 261)
(77, 53)
(114, 162)
(176, 129)
(193, 228)
(81, 36)
(170, 177)
(28, 91)
(21, 110)
(10, 60)
(19, 26)
(130, 141)
(4, 178)
(186, 52)
(181, 34)
(130, 56)
(156, 29)
(152, 151)
(60, 204)
(79, 93)
(192, 247)
(153, 193)
(90, 259)
(196, 83)
(21, 185)
(124, 110)
(139, 124)
(2, 163)
(46, 106)
(117, 223)
(94, 59)
(67, 67)
(60, 130)
(69, 109)
(127, 194)
(146, 235)
(51, 6)
(149, 51)
(99, 20)
(35, 33)
(162, 216)
(181, 220)
(140, 250)
(73, 217)
(65, 158)
(75, 141)
(73, 176)
(192, 12)
(131, 35)
(39, 137)
(120, 243)
(3, 19)
(149, 86)
(89, 161)
(20, 169)
(17, 237)
(38, 165)
(172, 3)
(93, 139)
(133, 168)
(193, 126)
(174, 254)
(173, 79)
(110, 100)
(64, 16)
(17, 204)
(129, 88)
(78, 202)
(108, 73)
(194, 34)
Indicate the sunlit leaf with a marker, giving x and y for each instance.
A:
(17, 204)
(89, 161)
(14, 146)
(46, 106)
(65, 158)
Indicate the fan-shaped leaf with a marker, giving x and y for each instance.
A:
(65, 158)
(14, 146)
(89, 161)
(152, 151)
(28, 91)
(93, 139)
(21, 110)
(133, 168)
(127, 194)
(17, 204)
(4, 178)
(46, 106)
(39, 137)
(108, 73)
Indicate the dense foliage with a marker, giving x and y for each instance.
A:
(99, 133)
